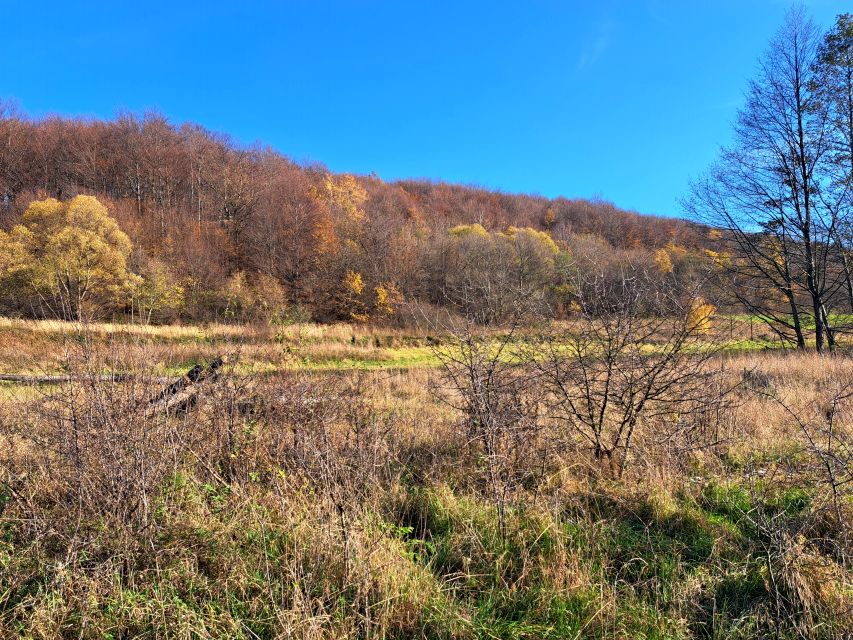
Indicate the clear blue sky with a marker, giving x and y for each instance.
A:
(620, 99)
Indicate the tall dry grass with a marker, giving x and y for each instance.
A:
(351, 505)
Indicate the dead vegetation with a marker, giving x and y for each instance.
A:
(387, 504)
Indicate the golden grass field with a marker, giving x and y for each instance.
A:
(323, 488)
(38, 346)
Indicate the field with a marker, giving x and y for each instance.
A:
(40, 347)
(322, 484)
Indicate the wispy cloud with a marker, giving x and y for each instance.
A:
(598, 45)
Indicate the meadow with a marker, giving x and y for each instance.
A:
(323, 484)
(341, 406)
(38, 347)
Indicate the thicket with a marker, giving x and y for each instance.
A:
(351, 506)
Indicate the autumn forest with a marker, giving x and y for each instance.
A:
(219, 230)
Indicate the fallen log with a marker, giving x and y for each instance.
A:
(182, 395)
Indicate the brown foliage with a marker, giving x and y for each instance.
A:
(208, 208)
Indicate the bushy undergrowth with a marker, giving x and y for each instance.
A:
(306, 508)
(246, 564)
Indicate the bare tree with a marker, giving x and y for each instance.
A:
(773, 195)
(834, 87)
(636, 351)
(485, 379)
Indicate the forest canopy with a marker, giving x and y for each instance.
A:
(223, 230)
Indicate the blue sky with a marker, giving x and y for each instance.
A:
(624, 100)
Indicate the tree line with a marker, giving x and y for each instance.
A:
(142, 218)
(220, 230)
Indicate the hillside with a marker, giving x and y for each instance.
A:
(247, 397)
(208, 216)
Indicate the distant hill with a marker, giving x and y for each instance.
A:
(208, 208)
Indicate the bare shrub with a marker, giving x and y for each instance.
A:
(324, 437)
(486, 382)
(88, 456)
(637, 353)
(803, 583)
(824, 427)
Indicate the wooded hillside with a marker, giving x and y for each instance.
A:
(219, 229)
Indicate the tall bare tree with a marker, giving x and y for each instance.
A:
(774, 195)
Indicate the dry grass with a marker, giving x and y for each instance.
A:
(38, 347)
(347, 503)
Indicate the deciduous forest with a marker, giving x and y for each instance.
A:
(222, 231)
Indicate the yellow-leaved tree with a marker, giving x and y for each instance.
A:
(159, 293)
(663, 262)
(71, 256)
(699, 315)
(346, 194)
(351, 298)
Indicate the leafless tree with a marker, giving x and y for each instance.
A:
(636, 351)
(491, 387)
(773, 195)
(833, 86)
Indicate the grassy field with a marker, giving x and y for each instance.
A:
(339, 496)
(41, 347)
